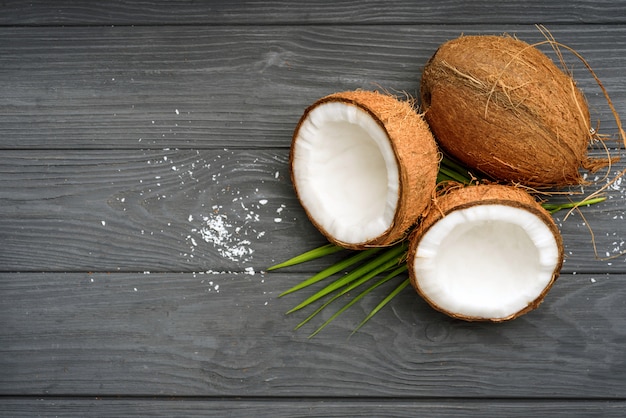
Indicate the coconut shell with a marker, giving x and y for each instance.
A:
(457, 198)
(416, 153)
(503, 108)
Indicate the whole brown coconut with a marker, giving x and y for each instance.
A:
(364, 166)
(503, 108)
(485, 253)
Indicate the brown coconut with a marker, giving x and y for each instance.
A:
(415, 154)
(502, 107)
(504, 248)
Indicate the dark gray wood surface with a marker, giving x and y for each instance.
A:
(133, 132)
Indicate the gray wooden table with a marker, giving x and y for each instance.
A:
(144, 190)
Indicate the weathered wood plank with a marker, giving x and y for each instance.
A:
(343, 12)
(144, 210)
(196, 210)
(203, 87)
(133, 243)
(288, 408)
(226, 335)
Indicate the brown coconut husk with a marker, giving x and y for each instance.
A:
(416, 154)
(458, 197)
(502, 107)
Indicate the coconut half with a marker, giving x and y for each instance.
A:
(485, 253)
(364, 166)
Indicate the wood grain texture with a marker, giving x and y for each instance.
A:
(263, 408)
(166, 210)
(144, 190)
(226, 335)
(215, 87)
(198, 210)
(342, 12)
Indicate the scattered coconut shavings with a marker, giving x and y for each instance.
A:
(228, 219)
(617, 185)
(221, 233)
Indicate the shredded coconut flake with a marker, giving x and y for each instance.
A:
(218, 231)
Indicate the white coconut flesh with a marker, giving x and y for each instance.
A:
(346, 172)
(488, 261)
